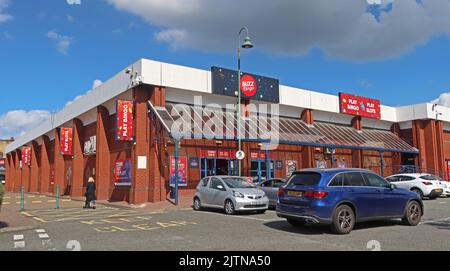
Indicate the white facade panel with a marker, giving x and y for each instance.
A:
(180, 77)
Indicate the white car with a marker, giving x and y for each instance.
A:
(426, 185)
(446, 186)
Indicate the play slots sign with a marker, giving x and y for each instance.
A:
(360, 106)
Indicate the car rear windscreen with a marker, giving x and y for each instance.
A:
(304, 179)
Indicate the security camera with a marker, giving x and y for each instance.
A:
(128, 71)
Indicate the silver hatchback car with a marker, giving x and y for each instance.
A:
(233, 194)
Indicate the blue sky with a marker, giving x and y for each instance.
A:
(51, 52)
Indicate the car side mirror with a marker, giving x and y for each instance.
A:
(220, 187)
(393, 186)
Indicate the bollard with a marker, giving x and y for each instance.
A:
(22, 199)
(57, 197)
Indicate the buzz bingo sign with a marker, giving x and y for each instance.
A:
(125, 117)
(360, 106)
(66, 138)
(248, 85)
(26, 156)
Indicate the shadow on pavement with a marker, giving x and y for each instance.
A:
(441, 225)
(221, 211)
(323, 229)
(3, 225)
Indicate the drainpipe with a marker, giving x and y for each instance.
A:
(176, 171)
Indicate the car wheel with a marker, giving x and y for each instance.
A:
(296, 223)
(343, 220)
(418, 191)
(413, 214)
(197, 204)
(229, 207)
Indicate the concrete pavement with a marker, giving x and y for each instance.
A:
(122, 228)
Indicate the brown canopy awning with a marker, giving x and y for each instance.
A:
(221, 124)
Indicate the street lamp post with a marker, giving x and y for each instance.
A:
(246, 45)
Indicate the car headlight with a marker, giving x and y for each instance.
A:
(238, 194)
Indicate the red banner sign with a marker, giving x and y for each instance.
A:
(26, 156)
(221, 154)
(259, 155)
(359, 106)
(208, 153)
(66, 137)
(125, 118)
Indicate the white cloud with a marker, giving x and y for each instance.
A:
(342, 29)
(17, 122)
(63, 43)
(74, 2)
(444, 99)
(4, 17)
(95, 85)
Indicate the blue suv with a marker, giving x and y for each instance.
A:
(342, 197)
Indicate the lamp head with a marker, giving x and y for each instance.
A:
(247, 43)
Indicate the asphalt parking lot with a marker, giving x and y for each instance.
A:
(118, 228)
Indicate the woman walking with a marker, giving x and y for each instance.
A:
(90, 194)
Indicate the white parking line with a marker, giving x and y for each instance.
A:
(240, 216)
(434, 221)
(43, 236)
(40, 230)
(18, 237)
(19, 244)
(18, 241)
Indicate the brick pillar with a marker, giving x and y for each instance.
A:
(144, 187)
(45, 165)
(103, 164)
(307, 151)
(9, 172)
(18, 173)
(440, 154)
(78, 159)
(426, 134)
(357, 155)
(396, 156)
(35, 164)
(59, 164)
(157, 188)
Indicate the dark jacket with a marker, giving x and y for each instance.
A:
(90, 191)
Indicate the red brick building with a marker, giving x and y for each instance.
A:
(311, 130)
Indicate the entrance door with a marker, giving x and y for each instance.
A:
(222, 167)
(217, 166)
(258, 168)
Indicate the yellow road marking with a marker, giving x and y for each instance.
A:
(18, 202)
(36, 201)
(66, 200)
(27, 214)
(52, 200)
(31, 196)
(39, 219)
(42, 196)
(6, 197)
(6, 203)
